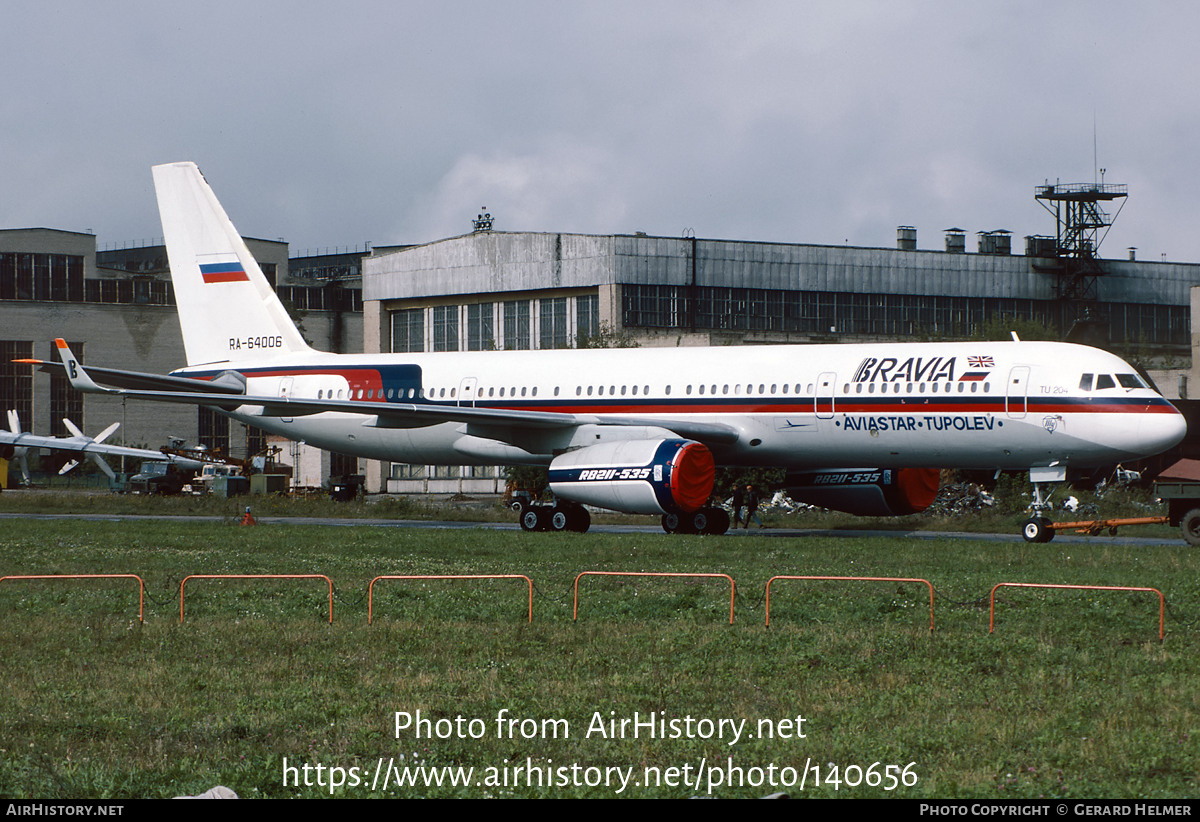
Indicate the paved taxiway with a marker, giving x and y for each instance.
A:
(1129, 537)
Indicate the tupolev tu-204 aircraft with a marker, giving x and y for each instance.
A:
(859, 428)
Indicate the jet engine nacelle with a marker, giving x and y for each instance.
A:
(637, 476)
(866, 492)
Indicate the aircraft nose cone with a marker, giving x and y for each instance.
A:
(1161, 432)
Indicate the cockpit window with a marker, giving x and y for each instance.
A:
(1104, 381)
(1085, 382)
(1130, 381)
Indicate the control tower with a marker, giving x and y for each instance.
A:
(1081, 223)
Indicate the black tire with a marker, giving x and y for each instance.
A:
(1190, 526)
(670, 523)
(579, 520)
(1037, 529)
(559, 519)
(718, 521)
(530, 519)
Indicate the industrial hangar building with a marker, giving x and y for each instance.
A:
(512, 290)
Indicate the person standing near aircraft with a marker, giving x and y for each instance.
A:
(739, 499)
(752, 506)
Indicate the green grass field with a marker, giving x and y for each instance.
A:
(1072, 696)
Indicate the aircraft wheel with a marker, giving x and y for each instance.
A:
(670, 523)
(701, 521)
(530, 519)
(1037, 529)
(558, 519)
(579, 520)
(718, 521)
(1190, 526)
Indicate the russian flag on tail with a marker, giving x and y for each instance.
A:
(223, 272)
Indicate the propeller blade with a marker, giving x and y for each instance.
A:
(72, 427)
(106, 432)
(103, 466)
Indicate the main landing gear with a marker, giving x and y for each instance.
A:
(705, 521)
(561, 516)
(1039, 528)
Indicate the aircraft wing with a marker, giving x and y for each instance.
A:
(387, 415)
(17, 443)
(87, 445)
(141, 380)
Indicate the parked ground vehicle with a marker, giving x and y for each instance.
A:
(159, 477)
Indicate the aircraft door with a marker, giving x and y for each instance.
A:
(823, 397)
(466, 391)
(1016, 401)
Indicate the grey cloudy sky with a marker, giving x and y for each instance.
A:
(331, 124)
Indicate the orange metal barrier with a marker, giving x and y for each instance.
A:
(926, 582)
(257, 576)
(141, 585)
(1162, 603)
(732, 585)
(371, 587)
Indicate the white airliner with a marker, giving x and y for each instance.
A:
(640, 430)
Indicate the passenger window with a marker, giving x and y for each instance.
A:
(1104, 381)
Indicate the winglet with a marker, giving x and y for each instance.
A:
(78, 378)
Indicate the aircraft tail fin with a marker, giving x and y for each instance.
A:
(227, 309)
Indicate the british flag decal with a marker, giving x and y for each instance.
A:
(980, 362)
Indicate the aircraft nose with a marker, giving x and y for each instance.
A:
(1161, 432)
